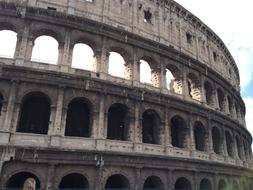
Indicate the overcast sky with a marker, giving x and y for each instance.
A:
(232, 21)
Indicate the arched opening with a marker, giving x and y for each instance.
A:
(78, 123)
(229, 144)
(238, 145)
(245, 149)
(116, 65)
(145, 72)
(178, 132)
(74, 181)
(117, 182)
(45, 50)
(183, 184)
(8, 43)
(173, 79)
(221, 100)
(117, 126)
(222, 185)
(200, 136)
(1, 103)
(216, 138)
(23, 179)
(35, 113)
(193, 86)
(209, 93)
(152, 183)
(235, 186)
(83, 57)
(150, 127)
(205, 184)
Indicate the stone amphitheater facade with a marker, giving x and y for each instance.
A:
(129, 134)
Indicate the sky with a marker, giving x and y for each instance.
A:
(231, 20)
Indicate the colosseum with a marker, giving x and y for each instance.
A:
(179, 124)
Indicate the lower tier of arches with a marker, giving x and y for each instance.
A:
(69, 170)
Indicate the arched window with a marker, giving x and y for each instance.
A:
(183, 184)
(83, 57)
(193, 86)
(35, 113)
(216, 138)
(152, 183)
(8, 43)
(221, 100)
(116, 65)
(150, 127)
(239, 149)
(45, 50)
(229, 143)
(78, 121)
(209, 93)
(173, 79)
(73, 182)
(1, 103)
(178, 132)
(222, 185)
(205, 184)
(145, 72)
(117, 182)
(200, 136)
(117, 126)
(22, 179)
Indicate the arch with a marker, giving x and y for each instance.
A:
(150, 127)
(116, 65)
(83, 57)
(183, 184)
(222, 185)
(74, 181)
(193, 86)
(8, 39)
(239, 147)
(34, 114)
(117, 122)
(153, 183)
(205, 184)
(216, 138)
(200, 136)
(235, 185)
(173, 79)
(209, 93)
(117, 182)
(229, 144)
(79, 120)
(221, 99)
(21, 179)
(145, 72)
(178, 132)
(42, 46)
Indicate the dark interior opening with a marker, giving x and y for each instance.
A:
(78, 119)
(74, 182)
(222, 185)
(221, 100)
(147, 15)
(150, 127)
(216, 138)
(35, 114)
(117, 182)
(205, 185)
(1, 103)
(189, 88)
(199, 136)
(189, 38)
(152, 183)
(239, 149)
(208, 93)
(17, 181)
(117, 126)
(182, 184)
(178, 132)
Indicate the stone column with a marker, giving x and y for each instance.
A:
(52, 119)
(104, 58)
(185, 83)
(210, 138)
(64, 52)
(11, 106)
(202, 89)
(3, 112)
(58, 115)
(191, 140)
(137, 179)
(71, 6)
(156, 77)
(101, 123)
(50, 184)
